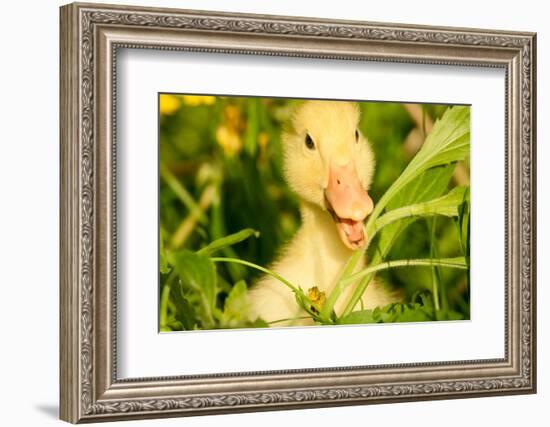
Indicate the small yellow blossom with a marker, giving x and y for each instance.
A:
(263, 139)
(228, 134)
(168, 104)
(196, 100)
(317, 297)
(229, 140)
(233, 117)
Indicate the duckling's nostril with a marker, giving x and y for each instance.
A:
(338, 181)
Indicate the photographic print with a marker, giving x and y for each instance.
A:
(281, 212)
(196, 199)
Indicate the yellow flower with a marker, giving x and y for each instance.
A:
(168, 104)
(317, 297)
(195, 100)
(229, 140)
(263, 139)
(228, 134)
(233, 117)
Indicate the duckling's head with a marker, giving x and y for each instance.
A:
(329, 163)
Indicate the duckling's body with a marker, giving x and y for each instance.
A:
(314, 257)
(329, 164)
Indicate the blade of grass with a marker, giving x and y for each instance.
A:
(164, 305)
(189, 223)
(252, 127)
(435, 273)
(230, 240)
(183, 195)
(459, 262)
(339, 288)
(257, 267)
(287, 320)
(218, 230)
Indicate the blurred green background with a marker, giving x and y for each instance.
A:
(221, 171)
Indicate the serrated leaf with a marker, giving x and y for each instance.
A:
(448, 142)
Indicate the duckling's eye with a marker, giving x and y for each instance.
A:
(309, 142)
(356, 136)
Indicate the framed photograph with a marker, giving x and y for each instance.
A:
(266, 212)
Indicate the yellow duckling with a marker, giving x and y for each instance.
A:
(329, 164)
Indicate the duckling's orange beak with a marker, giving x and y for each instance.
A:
(349, 204)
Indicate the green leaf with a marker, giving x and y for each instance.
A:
(420, 310)
(447, 205)
(428, 185)
(252, 126)
(236, 306)
(424, 298)
(448, 142)
(185, 313)
(258, 323)
(448, 315)
(226, 241)
(358, 318)
(164, 268)
(197, 273)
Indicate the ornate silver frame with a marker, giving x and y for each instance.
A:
(90, 36)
